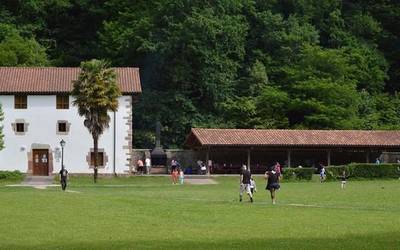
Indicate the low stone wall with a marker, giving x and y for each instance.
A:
(186, 158)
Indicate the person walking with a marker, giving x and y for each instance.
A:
(63, 178)
(343, 178)
(322, 176)
(147, 163)
(278, 169)
(245, 177)
(181, 176)
(253, 186)
(140, 166)
(272, 183)
(174, 171)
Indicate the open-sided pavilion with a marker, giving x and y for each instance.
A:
(229, 149)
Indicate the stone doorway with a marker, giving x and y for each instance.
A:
(40, 162)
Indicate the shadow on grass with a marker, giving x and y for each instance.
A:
(387, 240)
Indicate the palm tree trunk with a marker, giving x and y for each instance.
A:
(95, 149)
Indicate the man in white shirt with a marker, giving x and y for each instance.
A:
(147, 163)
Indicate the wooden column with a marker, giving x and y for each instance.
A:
(248, 159)
(289, 152)
(367, 156)
(329, 158)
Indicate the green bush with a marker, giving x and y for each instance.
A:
(10, 175)
(298, 173)
(363, 170)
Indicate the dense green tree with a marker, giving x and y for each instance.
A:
(96, 93)
(16, 50)
(226, 63)
(67, 28)
(199, 47)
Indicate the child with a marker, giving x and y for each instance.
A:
(398, 171)
(343, 178)
(175, 176)
(181, 176)
(253, 187)
(322, 174)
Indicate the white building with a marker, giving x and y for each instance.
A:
(38, 114)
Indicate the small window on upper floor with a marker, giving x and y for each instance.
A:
(62, 102)
(20, 127)
(20, 102)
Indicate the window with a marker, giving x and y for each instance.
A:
(20, 102)
(62, 127)
(62, 102)
(100, 158)
(20, 127)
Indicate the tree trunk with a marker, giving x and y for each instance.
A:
(95, 149)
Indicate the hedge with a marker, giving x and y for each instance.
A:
(298, 173)
(10, 175)
(363, 170)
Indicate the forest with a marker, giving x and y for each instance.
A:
(290, 64)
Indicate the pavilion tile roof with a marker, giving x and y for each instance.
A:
(200, 137)
(58, 79)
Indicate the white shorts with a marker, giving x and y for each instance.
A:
(245, 187)
(343, 182)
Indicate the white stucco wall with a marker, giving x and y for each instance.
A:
(42, 117)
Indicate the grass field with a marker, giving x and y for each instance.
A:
(150, 213)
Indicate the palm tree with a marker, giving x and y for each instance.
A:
(96, 92)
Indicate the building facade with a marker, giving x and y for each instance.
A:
(39, 113)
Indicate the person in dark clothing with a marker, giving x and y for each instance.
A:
(63, 178)
(245, 177)
(272, 183)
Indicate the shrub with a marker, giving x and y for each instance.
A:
(363, 170)
(10, 175)
(298, 173)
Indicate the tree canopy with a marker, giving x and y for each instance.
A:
(321, 64)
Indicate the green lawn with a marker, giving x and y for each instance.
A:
(150, 213)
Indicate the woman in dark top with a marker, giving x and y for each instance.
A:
(272, 178)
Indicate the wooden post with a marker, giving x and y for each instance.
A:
(329, 158)
(289, 152)
(367, 157)
(248, 159)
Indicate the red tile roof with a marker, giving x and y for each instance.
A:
(57, 79)
(200, 137)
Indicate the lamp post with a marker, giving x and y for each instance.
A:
(62, 143)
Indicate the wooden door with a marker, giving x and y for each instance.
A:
(40, 161)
